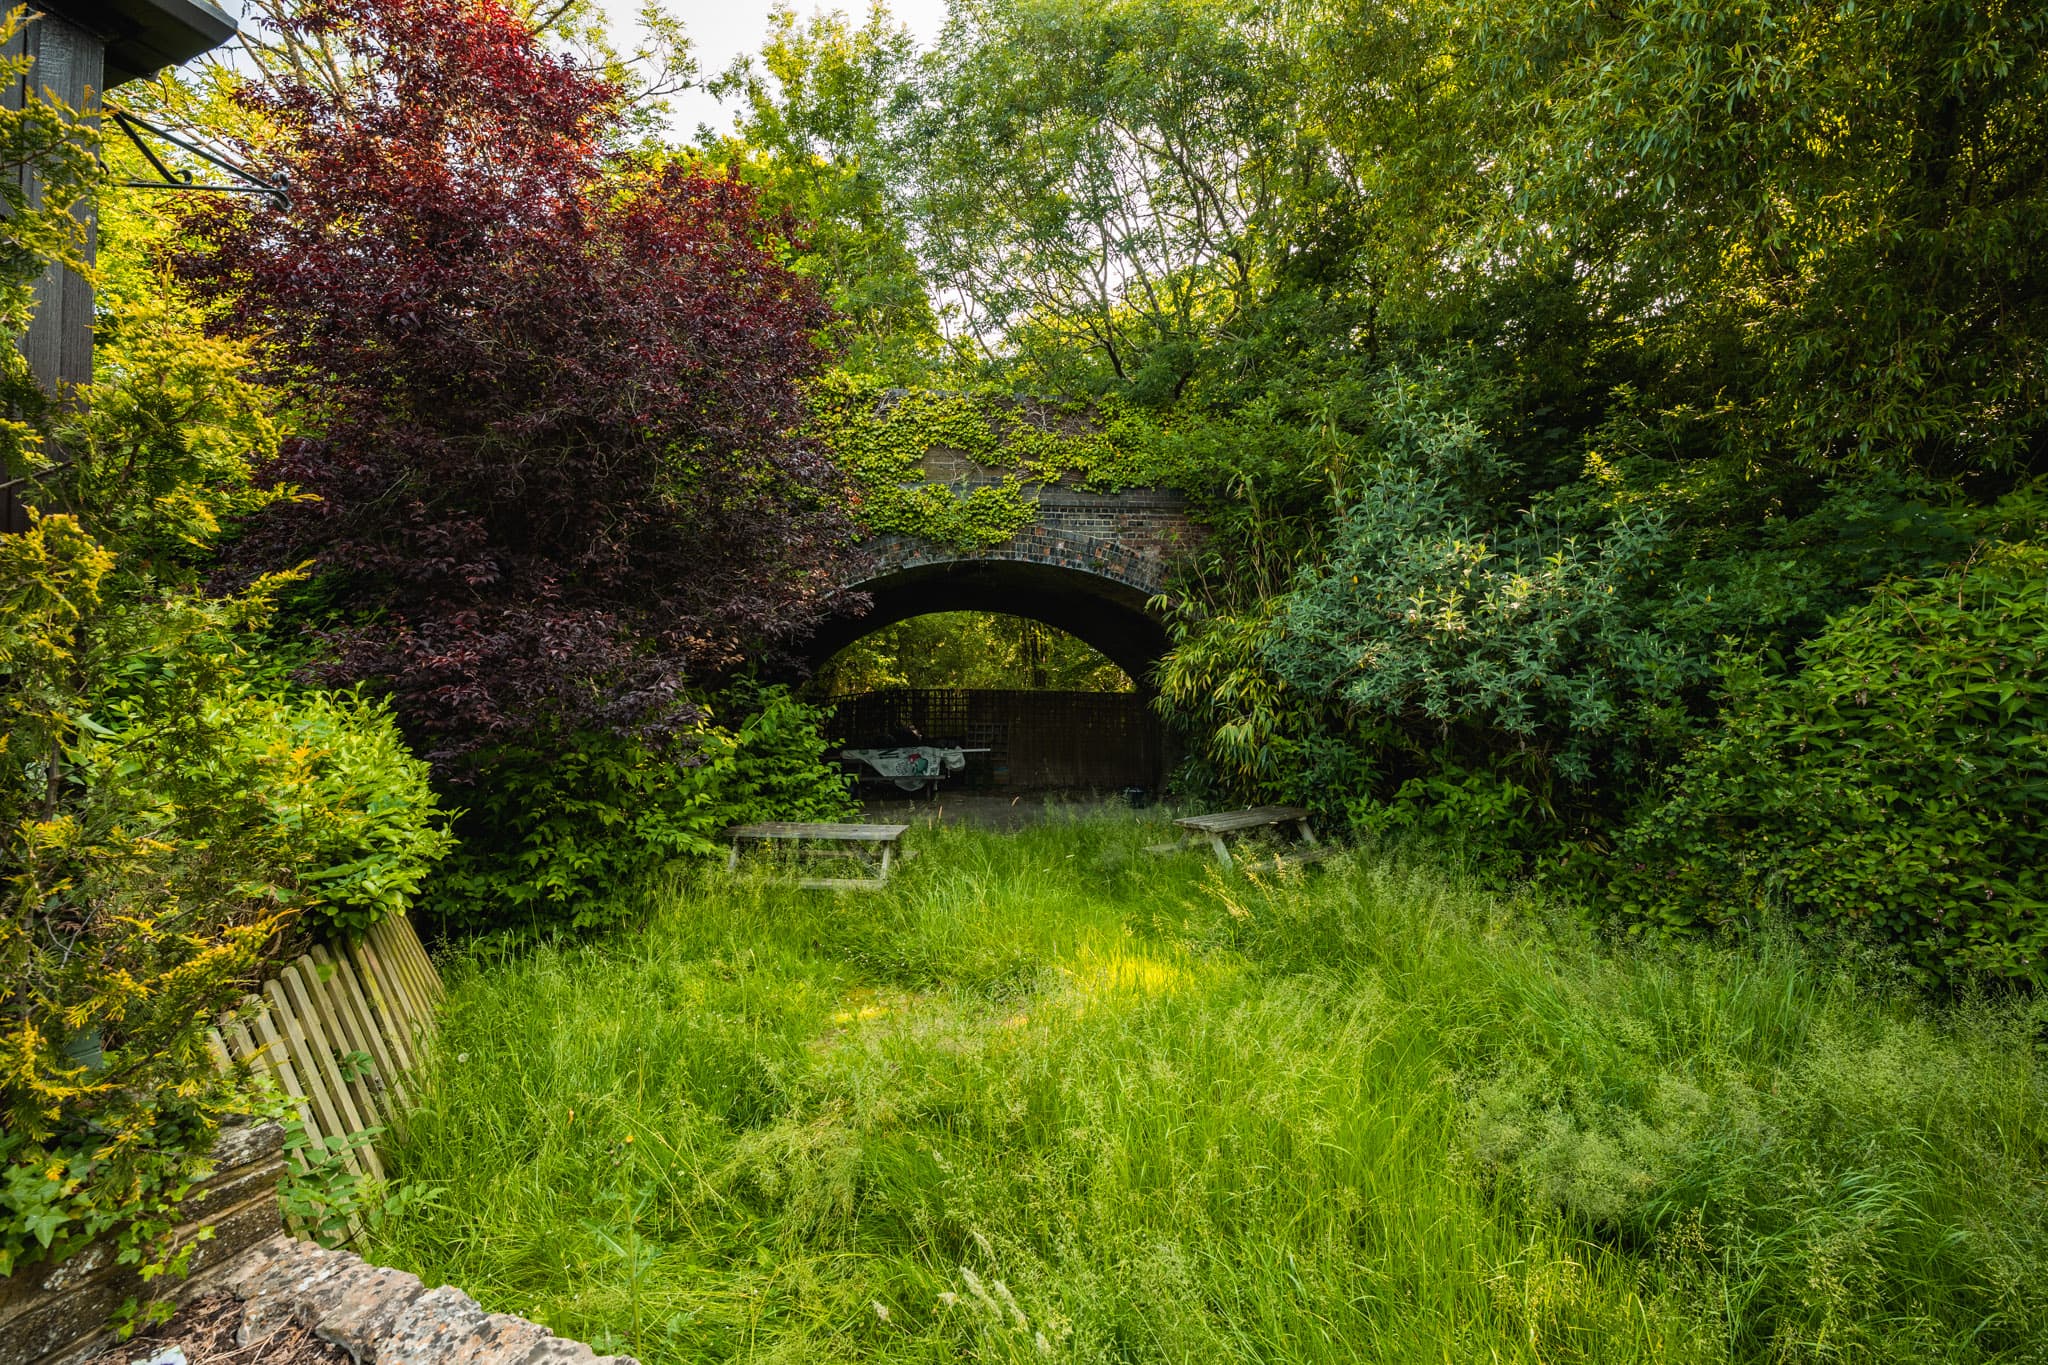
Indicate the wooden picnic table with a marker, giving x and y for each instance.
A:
(860, 843)
(1215, 829)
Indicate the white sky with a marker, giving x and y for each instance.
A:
(723, 29)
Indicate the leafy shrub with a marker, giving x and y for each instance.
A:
(347, 806)
(1518, 679)
(1528, 636)
(166, 813)
(366, 825)
(161, 825)
(1250, 734)
(1895, 784)
(559, 839)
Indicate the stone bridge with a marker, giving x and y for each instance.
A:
(1086, 565)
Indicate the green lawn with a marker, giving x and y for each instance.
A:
(1051, 1098)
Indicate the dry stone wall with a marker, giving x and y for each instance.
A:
(382, 1316)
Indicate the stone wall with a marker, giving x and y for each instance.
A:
(382, 1316)
(58, 1315)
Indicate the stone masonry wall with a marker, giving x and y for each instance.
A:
(385, 1317)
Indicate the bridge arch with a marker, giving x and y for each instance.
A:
(1087, 564)
(1103, 609)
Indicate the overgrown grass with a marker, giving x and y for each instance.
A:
(1051, 1098)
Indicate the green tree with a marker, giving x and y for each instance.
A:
(824, 132)
(1101, 183)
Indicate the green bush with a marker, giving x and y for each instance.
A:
(1477, 633)
(560, 839)
(162, 826)
(1895, 784)
(171, 817)
(1251, 737)
(340, 789)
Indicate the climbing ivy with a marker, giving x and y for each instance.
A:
(880, 436)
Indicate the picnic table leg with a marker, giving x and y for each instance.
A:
(732, 858)
(1308, 836)
(1222, 853)
(887, 852)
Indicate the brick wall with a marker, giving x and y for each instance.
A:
(1131, 537)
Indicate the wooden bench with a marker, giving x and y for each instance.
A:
(1216, 829)
(871, 846)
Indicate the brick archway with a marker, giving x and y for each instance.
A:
(1087, 565)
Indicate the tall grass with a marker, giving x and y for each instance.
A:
(1049, 1098)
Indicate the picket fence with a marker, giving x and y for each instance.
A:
(340, 1031)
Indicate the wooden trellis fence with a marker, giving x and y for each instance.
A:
(340, 1030)
(1103, 740)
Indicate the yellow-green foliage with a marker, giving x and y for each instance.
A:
(967, 649)
(880, 436)
(169, 806)
(163, 820)
(129, 921)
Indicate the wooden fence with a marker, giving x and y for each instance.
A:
(340, 1030)
(1103, 740)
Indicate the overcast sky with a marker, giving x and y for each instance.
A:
(723, 29)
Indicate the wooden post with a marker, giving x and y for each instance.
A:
(70, 65)
(79, 48)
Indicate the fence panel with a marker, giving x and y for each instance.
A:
(339, 1030)
(1102, 740)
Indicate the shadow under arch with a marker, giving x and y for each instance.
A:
(1104, 612)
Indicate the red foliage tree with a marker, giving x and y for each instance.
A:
(553, 389)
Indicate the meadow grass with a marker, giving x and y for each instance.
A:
(1050, 1098)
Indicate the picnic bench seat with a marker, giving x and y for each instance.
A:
(1216, 829)
(872, 846)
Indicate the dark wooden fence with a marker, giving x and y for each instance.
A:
(1035, 739)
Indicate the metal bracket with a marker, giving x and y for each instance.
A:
(244, 180)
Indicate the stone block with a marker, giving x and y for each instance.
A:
(243, 1278)
(250, 1143)
(279, 1295)
(78, 1268)
(555, 1351)
(74, 1301)
(230, 1187)
(55, 1322)
(429, 1327)
(367, 1310)
(235, 1230)
(499, 1339)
